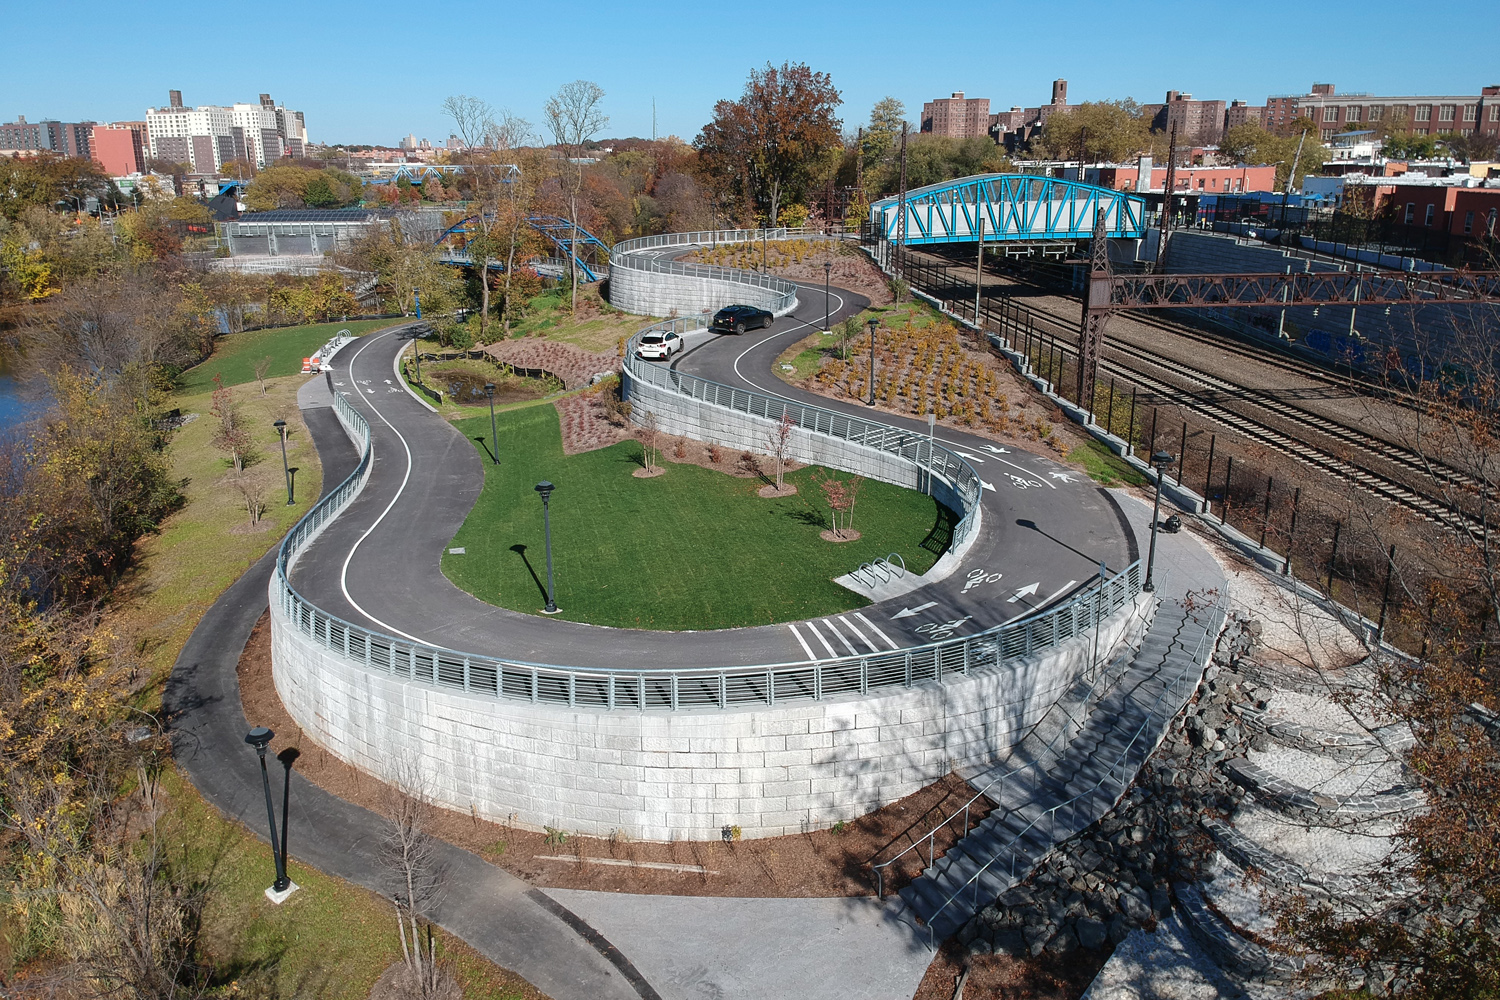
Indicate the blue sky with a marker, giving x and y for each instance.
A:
(372, 72)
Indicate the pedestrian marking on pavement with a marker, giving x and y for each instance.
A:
(664, 866)
(996, 451)
(850, 626)
(1026, 591)
(801, 641)
(1066, 477)
(456, 552)
(850, 648)
(908, 612)
(876, 629)
(819, 636)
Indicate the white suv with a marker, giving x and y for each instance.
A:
(659, 345)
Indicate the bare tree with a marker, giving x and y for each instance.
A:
(252, 491)
(650, 434)
(261, 368)
(413, 871)
(780, 439)
(574, 118)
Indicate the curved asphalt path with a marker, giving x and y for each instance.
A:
(1046, 530)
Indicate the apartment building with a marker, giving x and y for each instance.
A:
(1333, 112)
(958, 117)
(207, 136)
(24, 138)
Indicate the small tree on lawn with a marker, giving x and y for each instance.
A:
(650, 433)
(780, 438)
(252, 490)
(851, 495)
(261, 368)
(414, 874)
(230, 433)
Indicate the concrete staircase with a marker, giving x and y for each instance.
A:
(1041, 805)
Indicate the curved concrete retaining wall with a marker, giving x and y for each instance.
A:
(772, 771)
(641, 282)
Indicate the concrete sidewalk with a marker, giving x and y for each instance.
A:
(693, 947)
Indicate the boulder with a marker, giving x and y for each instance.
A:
(1091, 932)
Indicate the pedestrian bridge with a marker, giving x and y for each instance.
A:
(1008, 208)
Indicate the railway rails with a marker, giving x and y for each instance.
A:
(1171, 380)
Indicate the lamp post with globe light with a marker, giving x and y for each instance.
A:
(1161, 461)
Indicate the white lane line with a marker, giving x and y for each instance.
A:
(801, 641)
(873, 628)
(344, 572)
(1059, 592)
(851, 649)
(819, 636)
(850, 626)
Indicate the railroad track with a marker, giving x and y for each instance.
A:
(1373, 481)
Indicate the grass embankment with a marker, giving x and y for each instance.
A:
(596, 327)
(690, 549)
(332, 939)
(236, 354)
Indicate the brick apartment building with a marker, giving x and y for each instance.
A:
(1016, 127)
(1425, 115)
(958, 117)
(1198, 120)
(24, 138)
(1195, 180)
(120, 149)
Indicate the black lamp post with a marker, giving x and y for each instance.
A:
(545, 489)
(260, 738)
(489, 390)
(873, 324)
(1162, 461)
(280, 426)
(827, 276)
(416, 337)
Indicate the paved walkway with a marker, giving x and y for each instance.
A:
(499, 915)
(692, 948)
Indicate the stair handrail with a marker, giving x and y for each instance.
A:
(1071, 803)
(930, 837)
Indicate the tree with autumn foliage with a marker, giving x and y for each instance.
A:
(780, 137)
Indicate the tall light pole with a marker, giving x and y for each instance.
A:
(489, 390)
(1162, 461)
(545, 489)
(416, 337)
(280, 426)
(260, 738)
(873, 324)
(827, 276)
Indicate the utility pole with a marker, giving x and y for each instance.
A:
(901, 220)
(1166, 199)
(1096, 294)
(1286, 189)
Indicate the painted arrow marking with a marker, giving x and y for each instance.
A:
(908, 612)
(987, 486)
(1066, 477)
(996, 451)
(972, 458)
(1027, 591)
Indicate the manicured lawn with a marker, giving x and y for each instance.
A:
(1104, 466)
(235, 354)
(690, 549)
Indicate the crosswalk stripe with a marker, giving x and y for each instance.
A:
(850, 626)
(819, 636)
(836, 632)
(874, 628)
(801, 641)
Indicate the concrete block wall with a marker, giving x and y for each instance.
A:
(685, 775)
(656, 293)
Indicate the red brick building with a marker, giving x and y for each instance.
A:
(119, 150)
(957, 116)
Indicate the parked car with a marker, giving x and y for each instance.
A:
(738, 319)
(658, 346)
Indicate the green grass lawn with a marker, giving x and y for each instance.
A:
(690, 549)
(1104, 466)
(235, 354)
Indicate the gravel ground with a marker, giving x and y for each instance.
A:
(1165, 965)
(1236, 898)
(1331, 777)
(1321, 713)
(1294, 631)
(1315, 848)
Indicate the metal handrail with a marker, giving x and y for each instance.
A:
(663, 689)
(1046, 755)
(627, 254)
(1071, 804)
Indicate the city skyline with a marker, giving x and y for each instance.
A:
(332, 82)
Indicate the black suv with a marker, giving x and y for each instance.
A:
(738, 319)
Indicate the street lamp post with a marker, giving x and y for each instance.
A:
(1162, 461)
(260, 738)
(280, 426)
(873, 324)
(416, 337)
(827, 276)
(545, 489)
(489, 390)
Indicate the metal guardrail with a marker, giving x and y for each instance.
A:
(664, 689)
(920, 450)
(628, 254)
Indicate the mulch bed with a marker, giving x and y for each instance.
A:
(999, 977)
(570, 365)
(820, 864)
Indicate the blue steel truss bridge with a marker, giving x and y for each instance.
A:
(587, 253)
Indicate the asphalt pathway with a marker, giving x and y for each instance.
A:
(1046, 531)
(512, 924)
